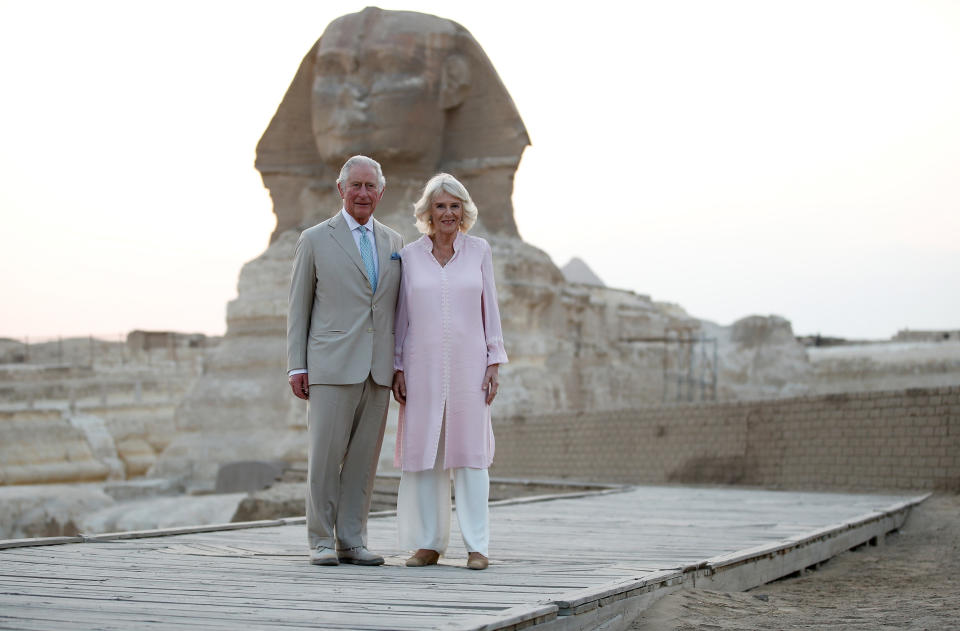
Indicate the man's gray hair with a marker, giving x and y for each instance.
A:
(449, 184)
(354, 161)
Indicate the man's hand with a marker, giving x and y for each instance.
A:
(300, 384)
(491, 381)
(399, 387)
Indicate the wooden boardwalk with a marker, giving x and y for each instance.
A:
(551, 561)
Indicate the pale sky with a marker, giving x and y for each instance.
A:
(791, 158)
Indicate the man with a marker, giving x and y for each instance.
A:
(343, 293)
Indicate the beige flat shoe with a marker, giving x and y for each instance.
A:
(476, 561)
(423, 557)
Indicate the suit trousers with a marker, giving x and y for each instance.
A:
(423, 506)
(346, 425)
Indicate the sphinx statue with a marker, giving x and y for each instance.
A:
(417, 93)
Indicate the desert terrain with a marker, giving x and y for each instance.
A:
(911, 581)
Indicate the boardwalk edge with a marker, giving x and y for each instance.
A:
(616, 605)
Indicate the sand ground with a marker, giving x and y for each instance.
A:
(911, 581)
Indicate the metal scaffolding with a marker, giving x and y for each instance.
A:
(689, 363)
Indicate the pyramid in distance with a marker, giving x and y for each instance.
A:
(577, 271)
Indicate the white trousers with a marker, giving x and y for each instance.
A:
(423, 507)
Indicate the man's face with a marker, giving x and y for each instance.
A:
(359, 192)
(375, 95)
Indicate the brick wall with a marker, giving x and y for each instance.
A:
(905, 439)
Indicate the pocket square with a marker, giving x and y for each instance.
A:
(395, 256)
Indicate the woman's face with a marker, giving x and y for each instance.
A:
(446, 212)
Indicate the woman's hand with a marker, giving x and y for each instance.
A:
(399, 387)
(491, 381)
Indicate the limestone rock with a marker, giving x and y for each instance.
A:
(48, 510)
(241, 407)
(885, 366)
(248, 475)
(53, 510)
(162, 512)
(760, 358)
(106, 418)
(279, 501)
(137, 456)
(126, 490)
(288, 499)
(42, 446)
(101, 443)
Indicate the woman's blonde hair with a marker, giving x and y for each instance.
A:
(448, 184)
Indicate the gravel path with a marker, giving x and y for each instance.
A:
(912, 581)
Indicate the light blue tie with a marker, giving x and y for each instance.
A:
(366, 253)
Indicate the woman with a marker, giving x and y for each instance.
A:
(448, 348)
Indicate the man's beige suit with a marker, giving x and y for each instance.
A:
(341, 332)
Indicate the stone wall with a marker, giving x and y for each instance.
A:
(40, 446)
(89, 423)
(905, 439)
(884, 366)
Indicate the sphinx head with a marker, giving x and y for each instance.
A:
(382, 84)
(414, 91)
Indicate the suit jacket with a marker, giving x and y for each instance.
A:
(337, 328)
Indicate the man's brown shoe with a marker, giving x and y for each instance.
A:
(423, 557)
(476, 561)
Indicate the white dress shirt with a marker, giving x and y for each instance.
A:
(355, 231)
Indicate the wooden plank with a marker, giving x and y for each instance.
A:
(399, 597)
(239, 616)
(169, 532)
(516, 617)
(38, 541)
(259, 573)
(800, 540)
(56, 619)
(252, 608)
(573, 600)
(245, 603)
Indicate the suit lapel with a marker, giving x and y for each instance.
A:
(383, 252)
(341, 234)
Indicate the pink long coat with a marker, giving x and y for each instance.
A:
(447, 333)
